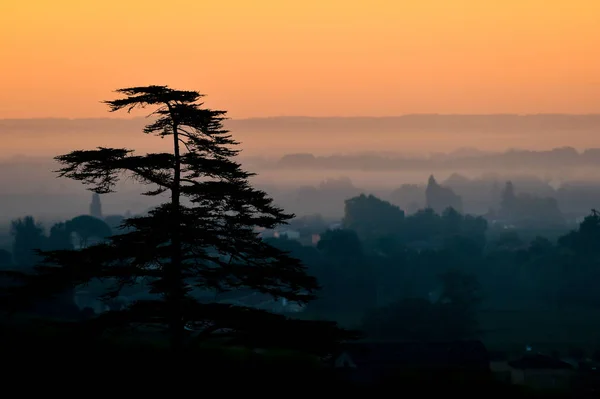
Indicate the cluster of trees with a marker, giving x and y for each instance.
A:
(30, 236)
(439, 198)
(380, 256)
(386, 227)
(525, 209)
(424, 275)
(519, 200)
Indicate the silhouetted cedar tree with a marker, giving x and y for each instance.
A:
(204, 236)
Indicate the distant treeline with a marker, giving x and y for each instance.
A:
(566, 157)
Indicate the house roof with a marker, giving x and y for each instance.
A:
(417, 354)
(540, 362)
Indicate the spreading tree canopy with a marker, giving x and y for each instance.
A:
(204, 236)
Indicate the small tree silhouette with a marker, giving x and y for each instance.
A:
(28, 238)
(86, 227)
(203, 237)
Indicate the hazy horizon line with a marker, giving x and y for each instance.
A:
(315, 117)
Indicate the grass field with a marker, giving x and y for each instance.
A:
(513, 329)
(542, 329)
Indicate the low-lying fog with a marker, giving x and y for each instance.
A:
(374, 155)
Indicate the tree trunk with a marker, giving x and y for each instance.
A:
(173, 275)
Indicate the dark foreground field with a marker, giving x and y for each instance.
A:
(512, 329)
(38, 357)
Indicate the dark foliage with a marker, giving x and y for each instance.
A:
(28, 237)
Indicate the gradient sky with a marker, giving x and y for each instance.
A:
(313, 57)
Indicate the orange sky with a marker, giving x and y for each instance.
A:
(59, 58)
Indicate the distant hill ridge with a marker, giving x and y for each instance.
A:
(415, 122)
